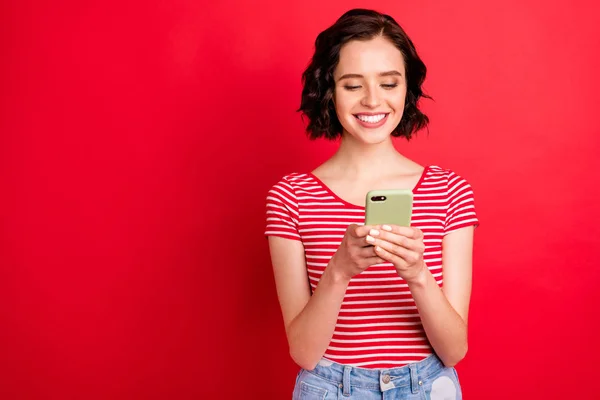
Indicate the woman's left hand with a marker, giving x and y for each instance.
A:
(402, 246)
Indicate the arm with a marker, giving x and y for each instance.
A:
(444, 312)
(309, 320)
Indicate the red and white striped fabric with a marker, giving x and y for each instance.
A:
(378, 325)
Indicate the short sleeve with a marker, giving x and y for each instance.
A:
(461, 204)
(282, 211)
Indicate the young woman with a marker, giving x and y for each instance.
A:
(364, 307)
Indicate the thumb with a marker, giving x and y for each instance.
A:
(352, 230)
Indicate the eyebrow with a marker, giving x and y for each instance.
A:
(387, 73)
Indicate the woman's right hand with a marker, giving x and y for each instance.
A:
(355, 254)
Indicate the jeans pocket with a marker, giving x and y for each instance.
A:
(443, 386)
(311, 392)
(309, 387)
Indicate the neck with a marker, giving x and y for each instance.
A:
(359, 160)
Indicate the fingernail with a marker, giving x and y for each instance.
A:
(386, 227)
(370, 239)
(374, 232)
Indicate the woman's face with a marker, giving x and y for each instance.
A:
(370, 89)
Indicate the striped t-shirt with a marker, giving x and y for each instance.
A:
(378, 325)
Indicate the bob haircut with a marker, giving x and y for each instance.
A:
(318, 83)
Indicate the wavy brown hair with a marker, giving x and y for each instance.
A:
(318, 83)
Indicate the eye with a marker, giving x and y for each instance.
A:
(348, 87)
(389, 86)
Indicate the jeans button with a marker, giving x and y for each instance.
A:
(386, 379)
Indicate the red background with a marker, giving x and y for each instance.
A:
(139, 138)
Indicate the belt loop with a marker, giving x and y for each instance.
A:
(414, 378)
(346, 381)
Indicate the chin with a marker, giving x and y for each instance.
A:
(374, 137)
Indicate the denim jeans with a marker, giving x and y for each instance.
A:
(428, 379)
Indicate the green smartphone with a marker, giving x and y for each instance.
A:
(389, 206)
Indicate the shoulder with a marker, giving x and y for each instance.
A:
(292, 180)
(288, 184)
(450, 176)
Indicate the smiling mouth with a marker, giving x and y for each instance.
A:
(371, 119)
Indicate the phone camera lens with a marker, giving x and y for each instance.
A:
(378, 198)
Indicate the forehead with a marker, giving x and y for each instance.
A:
(369, 57)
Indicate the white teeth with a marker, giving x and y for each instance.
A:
(372, 119)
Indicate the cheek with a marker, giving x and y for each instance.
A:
(397, 99)
(343, 105)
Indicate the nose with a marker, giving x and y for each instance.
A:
(371, 98)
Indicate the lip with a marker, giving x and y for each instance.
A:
(370, 125)
(371, 113)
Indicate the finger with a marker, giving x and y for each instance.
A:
(369, 240)
(360, 231)
(361, 238)
(352, 230)
(418, 234)
(400, 240)
(390, 257)
(408, 256)
(367, 252)
(374, 261)
(415, 245)
(407, 231)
